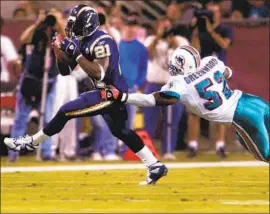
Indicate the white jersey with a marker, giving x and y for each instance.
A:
(205, 92)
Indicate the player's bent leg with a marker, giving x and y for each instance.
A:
(116, 119)
(88, 104)
(249, 123)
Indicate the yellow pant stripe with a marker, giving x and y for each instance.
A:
(90, 109)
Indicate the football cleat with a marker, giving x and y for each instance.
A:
(221, 152)
(155, 172)
(24, 143)
(192, 153)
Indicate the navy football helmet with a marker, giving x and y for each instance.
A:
(83, 21)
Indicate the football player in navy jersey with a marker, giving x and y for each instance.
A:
(97, 54)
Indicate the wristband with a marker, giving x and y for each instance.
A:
(124, 97)
(78, 57)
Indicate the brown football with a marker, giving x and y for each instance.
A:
(60, 55)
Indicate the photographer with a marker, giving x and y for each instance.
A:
(36, 40)
(160, 46)
(210, 37)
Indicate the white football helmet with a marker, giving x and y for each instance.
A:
(184, 60)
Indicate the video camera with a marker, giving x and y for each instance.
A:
(200, 13)
(49, 21)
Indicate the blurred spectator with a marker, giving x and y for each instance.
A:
(174, 11)
(66, 90)
(30, 7)
(133, 62)
(259, 9)
(19, 14)
(160, 46)
(37, 38)
(10, 63)
(248, 8)
(143, 31)
(66, 140)
(210, 37)
(105, 26)
(115, 18)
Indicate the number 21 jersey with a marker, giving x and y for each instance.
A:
(101, 45)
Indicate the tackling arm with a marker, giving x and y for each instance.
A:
(150, 100)
(141, 100)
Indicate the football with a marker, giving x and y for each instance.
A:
(60, 55)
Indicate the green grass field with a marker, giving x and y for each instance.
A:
(221, 189)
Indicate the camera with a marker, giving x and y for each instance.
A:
(169, 32)
(201, 22)
(102, 19)
(50, 20)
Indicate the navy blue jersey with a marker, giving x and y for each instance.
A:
(101, 45)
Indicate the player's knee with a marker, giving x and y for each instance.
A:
(117, 132)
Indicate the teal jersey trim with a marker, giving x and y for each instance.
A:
(171, 94)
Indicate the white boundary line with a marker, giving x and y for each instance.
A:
(98, 167)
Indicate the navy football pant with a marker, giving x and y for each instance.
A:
(90, 104)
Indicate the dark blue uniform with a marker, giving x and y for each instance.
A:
(101, 45)
(97, 46)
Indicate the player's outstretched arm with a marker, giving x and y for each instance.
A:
(141, 100)
(150, 100)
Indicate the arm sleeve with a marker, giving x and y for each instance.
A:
(173, 88)
(141, 100)
(142, 67)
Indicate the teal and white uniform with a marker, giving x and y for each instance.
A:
(206, 94)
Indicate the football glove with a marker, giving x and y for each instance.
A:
(71, 46)
(113, 94)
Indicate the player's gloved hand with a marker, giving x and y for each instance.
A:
(113, 94)
(71, 46)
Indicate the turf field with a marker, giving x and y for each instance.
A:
(209, 188)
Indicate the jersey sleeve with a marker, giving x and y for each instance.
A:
(173, 88)
(221, 66)
(101, 47)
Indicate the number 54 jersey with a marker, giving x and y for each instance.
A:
(205, 92)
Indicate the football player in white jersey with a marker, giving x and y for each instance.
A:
(202, 87)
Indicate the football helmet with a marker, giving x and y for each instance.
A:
(83, 21)
(184, 60)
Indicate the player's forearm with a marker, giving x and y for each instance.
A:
(93, 69)
(150, 100)
(141, 100)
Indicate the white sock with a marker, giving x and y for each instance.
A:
(146, 156)
(39, 137)
(219, 144)
(193, 144)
